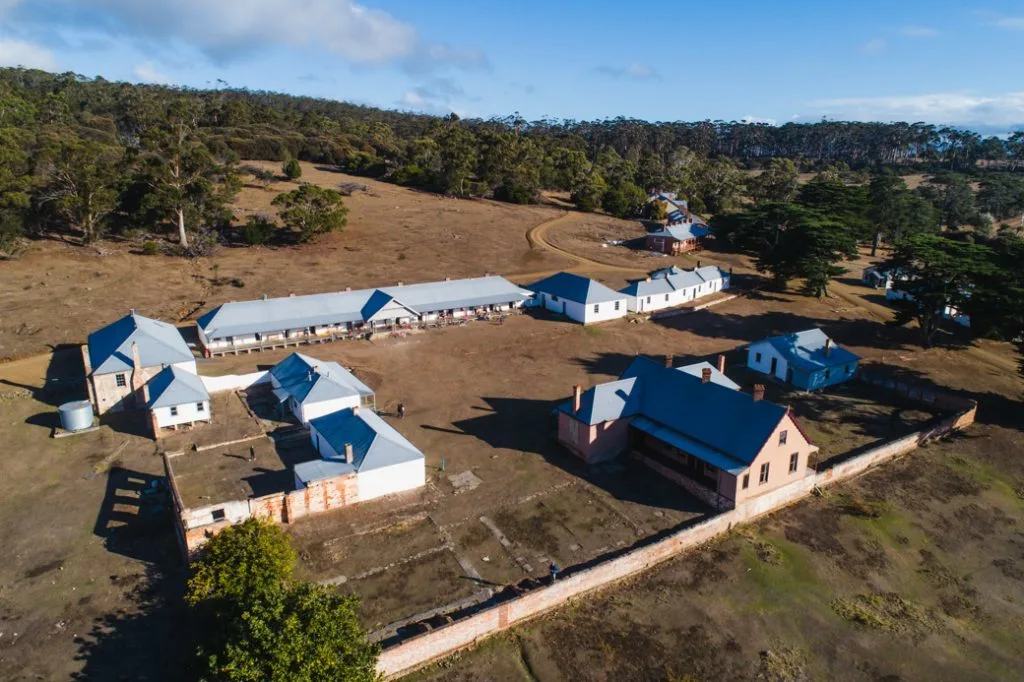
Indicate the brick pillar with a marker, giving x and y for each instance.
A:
(154, 427)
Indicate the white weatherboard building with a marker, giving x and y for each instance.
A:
(579, 298)
(673, 287)
(177, 397)
(319, 317)
(311, 388)
(357, 443)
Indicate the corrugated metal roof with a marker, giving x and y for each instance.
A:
(604, 402)
(159, 343)
(721, 418)
(375, 443)
(682, 232)
(174, 386)
(642, 366)
(309, 380)
(667, 280)
(319, 469)
(806, 349)
(298, 312)
(576, 288)
(673, 437)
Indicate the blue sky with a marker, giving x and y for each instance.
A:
(940, 61)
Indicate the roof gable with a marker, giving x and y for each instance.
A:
(175, 386)
(807, 350)
(576, 288)
(375, 443)
(382, 305)
(159, 343)
(309, 380)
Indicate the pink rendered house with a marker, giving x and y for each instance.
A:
(692, 425)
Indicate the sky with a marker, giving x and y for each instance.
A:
(939, 61)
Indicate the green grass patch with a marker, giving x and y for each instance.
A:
(988, 477)
(592, 331)
(885, 611)
(778, 574)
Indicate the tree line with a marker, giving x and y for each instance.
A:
(95, 157)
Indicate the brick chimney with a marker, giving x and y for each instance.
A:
(647, 279)
(577, 398)
(721, 363)
(348, 453)
(705, 375)
(828, 347)
(355, 411)
(758, 392)
(137, 379)
(668, 361)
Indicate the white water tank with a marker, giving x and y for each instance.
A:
(76, 415)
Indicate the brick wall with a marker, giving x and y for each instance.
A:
(420, 650)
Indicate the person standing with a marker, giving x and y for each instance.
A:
(401, 410)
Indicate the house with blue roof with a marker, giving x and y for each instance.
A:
(362, 457)
(677, 238)
(579, 298)
(120, 358)
(176, 397)
(720, 444)
(311, 388)
(674, 286)
(809, 360)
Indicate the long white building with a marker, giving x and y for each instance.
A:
(272, 322)
(673, 287)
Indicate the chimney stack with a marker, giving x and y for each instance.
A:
(668, 361)
(355, 411)
(721, 363)
(705, 375)
(648, 278)
(758, 392)
(828, 347)
(137, 378)
(348, 453)
(400, 284)
(348, 288)
(698, 263)
(577, 398)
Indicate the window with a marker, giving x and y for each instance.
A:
(174, 410)
(218, 515)
(120, 380)
(746, 481)
(597, 307)
(616, 305)
(200, 407)
(757, 357)
(648, 300)
(828, 374)
(554, 298)
(782, 437)
(764, 474)
(794, 462)
(666, 297)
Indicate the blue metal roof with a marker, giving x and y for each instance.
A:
(310, 380)
(718, 417)
(576, 288)
(175, 386)
(297, 312)
(159, 343)
(375, 443)
(682, 232)
(642, 366)
(806, 350)
(667, 280)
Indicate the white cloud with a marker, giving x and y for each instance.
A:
(919, 31)
(961, 108)
(755, 119)
(225, 30)
(1011, 23)
(634, 71)
(15, 52)
(874, 46)
(147, 72)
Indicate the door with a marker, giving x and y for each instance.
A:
(789, 375)
(775, 366)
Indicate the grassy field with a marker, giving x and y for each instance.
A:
(922, 556)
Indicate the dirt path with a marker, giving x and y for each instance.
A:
(537, 237)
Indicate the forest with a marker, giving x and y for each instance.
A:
(89, 159)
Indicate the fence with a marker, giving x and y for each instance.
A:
(234, 382)
(417, 651)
